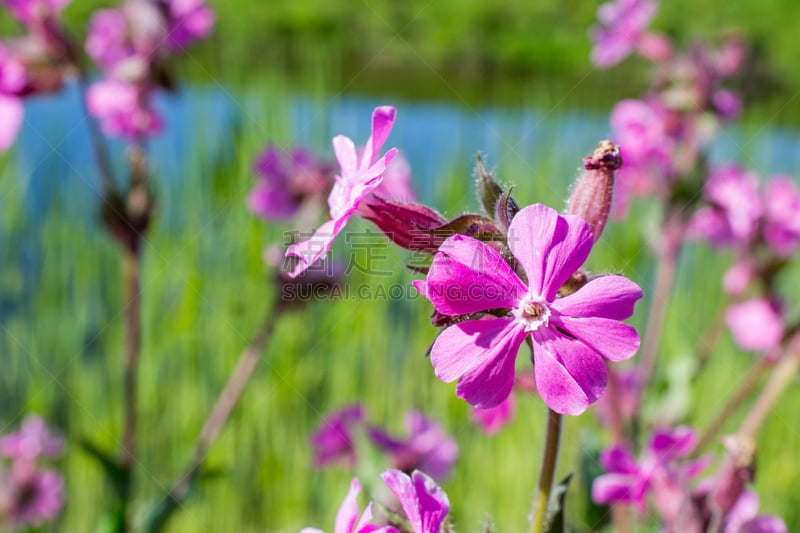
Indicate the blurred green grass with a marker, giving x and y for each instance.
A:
(205, 291)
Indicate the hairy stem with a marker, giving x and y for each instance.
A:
(542, 497)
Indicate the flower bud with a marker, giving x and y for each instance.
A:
(410, 226)
(592, 193)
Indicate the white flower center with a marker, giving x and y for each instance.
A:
(532, 312)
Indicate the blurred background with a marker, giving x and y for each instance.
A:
(511, 79)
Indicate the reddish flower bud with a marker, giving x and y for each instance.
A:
(591, 195)
(410, 226)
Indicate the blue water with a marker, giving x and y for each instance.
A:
(53, 160)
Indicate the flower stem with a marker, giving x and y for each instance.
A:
(783, 374)
(217, 419)
(133, 339)
(665, 276)
(98, 145)
(542, 497)
(746, 386)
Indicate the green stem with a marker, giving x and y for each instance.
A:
(744, 389)
(542, 497)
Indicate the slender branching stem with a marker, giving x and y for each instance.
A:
(99, 146)
(220, 413)
(542, 497)
(745, 388)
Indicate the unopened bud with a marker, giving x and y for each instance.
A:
(592, 194)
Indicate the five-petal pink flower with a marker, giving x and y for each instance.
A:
(359, 177)
(571, 336)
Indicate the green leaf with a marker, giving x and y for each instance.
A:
(555, 521)
(117, 475)
(488, 189)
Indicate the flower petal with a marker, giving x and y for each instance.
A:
(615, 488)
(426, 505)
(465, 346)
(310, 251)
(11, 111)
(345, 152)
(604, 297)
(614, 340)
(549, 246)
(468, 276)
(348, 512)
(619, 459)
(569, 375)
(488, 384)
(382, 122)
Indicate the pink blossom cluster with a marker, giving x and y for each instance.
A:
(665, 475)
(30, 494)
(34, 63)
(130, 45)
(425, 447)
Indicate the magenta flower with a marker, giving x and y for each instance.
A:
(187, 21)
(426, 505)
(660, 472)
(396, 184)
(34, 439)
(12, 82)
(756, 325)
(622, 25)
(744, 517)
(348, 520)
(640, 128)
(286, 182)
(571, 335)
(359, 177)
(734, 211)
(334, 439)
(428, 447)
(123, 109)
(493, 419)
(782, 216)
(29, 495)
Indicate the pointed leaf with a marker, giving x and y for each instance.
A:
(488, 189)
(555, 521)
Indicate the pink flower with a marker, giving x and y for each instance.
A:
(640, 128)
(123, 109)
(34, 439)
(334, 438)
(286, 182)
(359, 177)
(744, 517)
(734, 211)
(425, 505)
(571, 335)
(428, 447)
(29, 495)
(188, 21)
(493, 419)
(622, 25)
(347, 519)
(660, 472)
(782, 215)
(756, 325)
(31, 11)
(12, 82)
(396, 184)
